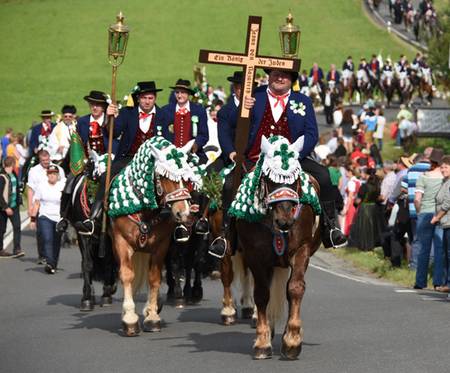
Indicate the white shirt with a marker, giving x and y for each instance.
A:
(187, 107)
(49, 197)
(332, 144)
(100, 120)
(322, 151)
(23, 152)
(144, 124)
(236, 100)
(381, 122)
(277, 111)
(38, 175)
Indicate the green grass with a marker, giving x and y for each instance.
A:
(374, 263)
(54, 52)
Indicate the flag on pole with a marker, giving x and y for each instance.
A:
(77, 155)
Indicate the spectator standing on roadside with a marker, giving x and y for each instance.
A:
(38, 175)
(46, 206)
(10, 200)
(442, 217)
(427, 187)
(381, 123)
(388, 183)
(5, 141)
(346, 130)
(23, 153)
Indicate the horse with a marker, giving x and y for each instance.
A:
(426, 85)
(96, 264)
(146, 200)
(347, 85)
(404, 87)
(277, 226)
(363, 84)
(388, 86)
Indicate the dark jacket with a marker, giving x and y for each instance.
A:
(126, 126)
(83, 130)
(34, 137)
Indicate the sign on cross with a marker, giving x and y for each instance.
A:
(250, 60)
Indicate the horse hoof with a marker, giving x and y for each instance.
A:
(254, 322)
(290, 353)
(152, 326)
(106, 302)
(262, 353)
(131, 330)
(86, 305)
(228, 319)
(197, 295)
(180, 303)
(247, 313)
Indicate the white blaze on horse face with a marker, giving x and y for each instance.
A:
(266, 146)
(187, 148)
(298, 144)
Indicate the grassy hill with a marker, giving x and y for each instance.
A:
(54, 52)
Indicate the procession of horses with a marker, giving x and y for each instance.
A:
(153, 194)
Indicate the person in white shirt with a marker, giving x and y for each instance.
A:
(45, 212)
(59, 139)
(36, 176)
(381, 123)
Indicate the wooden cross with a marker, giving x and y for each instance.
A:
(249, 61)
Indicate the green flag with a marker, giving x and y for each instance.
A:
(77, 154)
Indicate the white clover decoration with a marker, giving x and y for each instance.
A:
(298, 108)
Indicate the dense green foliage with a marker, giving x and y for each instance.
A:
(54, 52)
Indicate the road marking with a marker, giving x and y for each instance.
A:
(343, 276)
(405, 291)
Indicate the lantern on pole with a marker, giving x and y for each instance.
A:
(117, 44)
(289, 38)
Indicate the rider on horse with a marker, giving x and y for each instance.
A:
(277, 110)
(93, 133)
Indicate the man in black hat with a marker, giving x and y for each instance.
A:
(184, 120)
(40, 133)
(133, 125)
(94, 135)
(59, 140)
(278, 110)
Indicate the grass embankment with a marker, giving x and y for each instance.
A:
(55, 51)
(374, 262)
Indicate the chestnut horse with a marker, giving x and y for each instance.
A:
(141, 235)
(276, 248)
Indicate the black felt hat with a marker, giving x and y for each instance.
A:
(294, 74)
(96, 96)
(145, 87)
(183, 84)
(236, 78)
(47, 113)
(69, 109)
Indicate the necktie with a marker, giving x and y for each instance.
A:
(280, 99)
(143, 115)
(182, 111)
(95, 128)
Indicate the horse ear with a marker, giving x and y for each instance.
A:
(265, 145)
(187, 148)
(157, 154)
(298, 144)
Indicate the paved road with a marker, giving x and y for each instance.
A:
(352, 324)
(383, 16)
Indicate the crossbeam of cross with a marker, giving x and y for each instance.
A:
(250, 60)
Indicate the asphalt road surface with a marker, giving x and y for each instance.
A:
(352, 324)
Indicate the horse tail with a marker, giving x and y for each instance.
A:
(244, 284)
(141, 266)
(277, 307)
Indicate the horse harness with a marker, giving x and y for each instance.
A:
(165, 200)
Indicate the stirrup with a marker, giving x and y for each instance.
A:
(331, 239)
(218, 255)
(202, 220)
(90, 231)
(184, 230)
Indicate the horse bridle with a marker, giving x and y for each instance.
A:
(283, 194)
(167, 199)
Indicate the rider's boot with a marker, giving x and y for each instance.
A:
(202, 225)
(331, 235)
